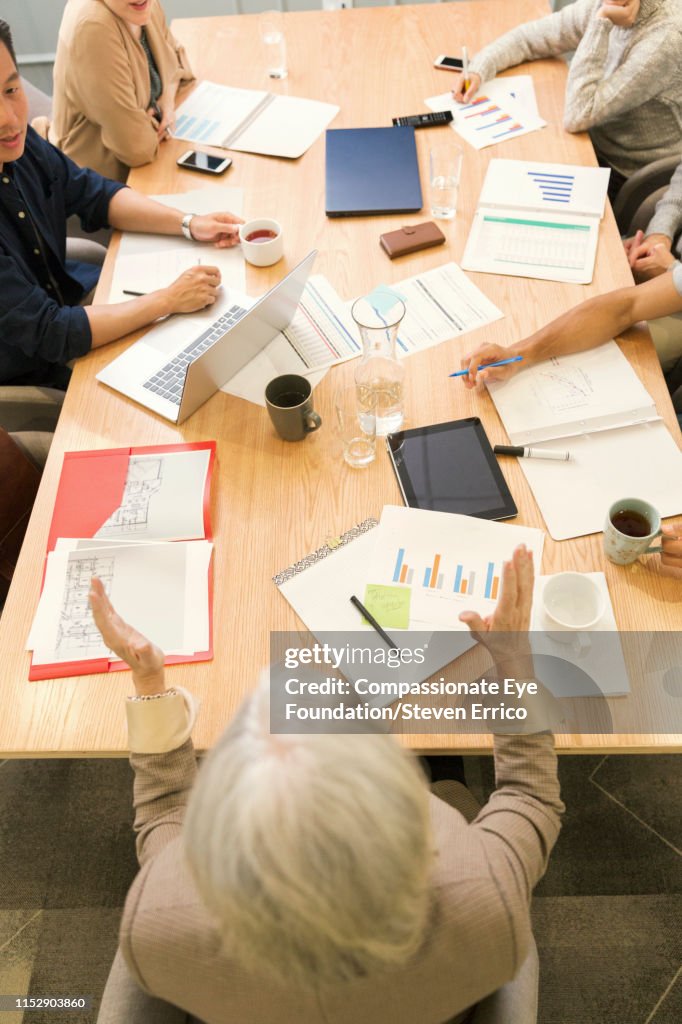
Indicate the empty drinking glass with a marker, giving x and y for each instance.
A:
(274, 44)
(356, 430)
(445, 169)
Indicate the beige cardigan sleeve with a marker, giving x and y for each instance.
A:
(102, 87)
(126, 129)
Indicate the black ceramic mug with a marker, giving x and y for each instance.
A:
(290, 405)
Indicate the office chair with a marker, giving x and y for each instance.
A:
(517, 1001)
(635, 203)
(124, 1002)
(16, 502)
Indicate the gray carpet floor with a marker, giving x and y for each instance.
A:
(607, 914)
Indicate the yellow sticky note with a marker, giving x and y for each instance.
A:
(390, 606)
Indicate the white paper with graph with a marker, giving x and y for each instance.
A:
(321, 334)
(571, 395)
(538, 220)
(449, 563)
(593, 405)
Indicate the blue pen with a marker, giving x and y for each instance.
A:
(486, 366)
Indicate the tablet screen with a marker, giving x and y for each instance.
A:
(450, 467)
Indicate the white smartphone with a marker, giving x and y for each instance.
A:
(448, 63)
(193, 160)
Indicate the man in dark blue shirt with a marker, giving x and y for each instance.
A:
(42, 324)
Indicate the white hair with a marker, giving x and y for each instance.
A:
(312, 852)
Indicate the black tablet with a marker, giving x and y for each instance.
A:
(450, 467)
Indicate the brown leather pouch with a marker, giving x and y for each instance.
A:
(411, 238)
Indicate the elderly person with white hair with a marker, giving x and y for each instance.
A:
(310, 878)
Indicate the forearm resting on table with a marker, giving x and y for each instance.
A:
(600, 319)
(131, 211)
(107, 323)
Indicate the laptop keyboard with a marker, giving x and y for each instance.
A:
(169, 381)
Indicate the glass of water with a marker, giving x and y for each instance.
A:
(445, 169)
(274, 44)
(356, 430)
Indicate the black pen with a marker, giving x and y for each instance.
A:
(126, 291)
(373, 622)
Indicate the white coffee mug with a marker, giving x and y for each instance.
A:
(262, 241)
(622, 547)
(572, 600)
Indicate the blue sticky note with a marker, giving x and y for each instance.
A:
(383, 298)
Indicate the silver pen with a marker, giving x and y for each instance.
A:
(531, 453)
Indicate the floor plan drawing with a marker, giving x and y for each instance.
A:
(143, 481)
(77, 634)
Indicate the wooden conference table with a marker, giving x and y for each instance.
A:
(273, 502)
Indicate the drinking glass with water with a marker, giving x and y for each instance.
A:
(380, 376)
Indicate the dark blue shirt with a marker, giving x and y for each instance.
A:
(42, 327)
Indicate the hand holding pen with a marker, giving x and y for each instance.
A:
(489, 362)
(467, 82)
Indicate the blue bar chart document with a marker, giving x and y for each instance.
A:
(538, 220)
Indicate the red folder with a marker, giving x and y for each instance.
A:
(89, 492)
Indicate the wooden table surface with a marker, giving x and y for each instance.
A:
(273, 502)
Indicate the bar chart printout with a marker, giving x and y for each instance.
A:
(462, 580)
(451, 563)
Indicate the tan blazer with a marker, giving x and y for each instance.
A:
(479, 935)
(102, 87)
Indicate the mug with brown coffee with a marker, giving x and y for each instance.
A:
(289, 402)
(631, 525)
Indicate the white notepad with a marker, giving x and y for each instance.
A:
(538, 220)
(593, 405)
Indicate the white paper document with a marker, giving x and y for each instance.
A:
(320, 596)
(493, 116)
(538, 220)
(593, 405)
(572, 395)
(441, 304)
(522, 89)
(545, 188)
(251, 120)
(321, 334)
(145, 262)
(641, 461)
(450, 563)
(163, 498)
(162, 588)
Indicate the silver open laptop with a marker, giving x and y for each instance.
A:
(181, 362)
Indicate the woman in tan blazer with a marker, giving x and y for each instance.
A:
(116, 76)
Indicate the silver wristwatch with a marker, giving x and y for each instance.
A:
(186, 230)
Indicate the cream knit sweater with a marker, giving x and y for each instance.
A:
(624, 84)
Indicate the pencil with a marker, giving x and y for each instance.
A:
(465, 67)
(373, 622)
(126, 291)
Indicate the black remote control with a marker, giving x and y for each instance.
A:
(424, 120)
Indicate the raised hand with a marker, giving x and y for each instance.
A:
(143, 657)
